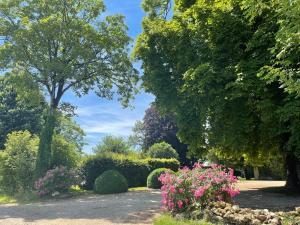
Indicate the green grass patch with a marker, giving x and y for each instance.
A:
(169, 220)
(138, 189)
(30, 197)
(77, 191)
(5, 199)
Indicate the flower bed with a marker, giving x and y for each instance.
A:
(191, 190)
(58, 180)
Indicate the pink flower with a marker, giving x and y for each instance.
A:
(172, 189)
(199, 192)
(180, 204)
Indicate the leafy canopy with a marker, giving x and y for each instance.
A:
(229, 71)
(112, 144)
(67, 45)
(17, 111)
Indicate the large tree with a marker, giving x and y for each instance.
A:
(66, 45)
(228, 73)
(156, 128)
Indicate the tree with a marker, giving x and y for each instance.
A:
(207, 65)
(155, 128)
(112, 144)
(136, 139)
(162, 150)
(71, 132)
(16, 112)
(62, 46)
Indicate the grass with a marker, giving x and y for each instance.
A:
(31, 197)
(5, 199)
(77, 191)
(138, 189)
(166, 219)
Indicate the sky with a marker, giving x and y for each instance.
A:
(99, 117)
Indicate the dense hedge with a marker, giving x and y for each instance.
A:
(135, 171)
(110, 182)
(152, 180)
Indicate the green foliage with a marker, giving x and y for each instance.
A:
(43, 162)
(110, 182)
(17, 164)
(152, 179)
(16, 111)
(135, 170)
(231, 82)
(62, 46)
(162, 150)
(64, 153)
(169, 220)
(157, 127)
(112, 144)
(71, 132)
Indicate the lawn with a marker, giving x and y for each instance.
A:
(169, 220)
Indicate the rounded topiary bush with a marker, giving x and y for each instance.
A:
(162, 150)
(110, 182)
(152, 180)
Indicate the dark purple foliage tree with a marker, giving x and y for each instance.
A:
(157, 128)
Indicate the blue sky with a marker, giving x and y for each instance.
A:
(99, 117)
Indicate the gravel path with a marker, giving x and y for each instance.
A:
(266, 195)
(136, 208)
(132, 208)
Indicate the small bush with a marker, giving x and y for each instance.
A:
(134, 170)
(152, 180)
(17, 162)
(191, 190)
(59, 180)
(162, 150)
(110, 182)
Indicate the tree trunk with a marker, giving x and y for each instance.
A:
(44, 152)
(293, 172)
(256, 173)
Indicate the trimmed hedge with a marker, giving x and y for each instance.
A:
(135, 171)
(110, 182)
(152, 180)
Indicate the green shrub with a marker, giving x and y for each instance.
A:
(172, 164)
(135, 171)
(110, 182)
(162, 150)
(152, 180)
(64, 153)
(17, 164)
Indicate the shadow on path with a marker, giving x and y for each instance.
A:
(130, 208)
(266, 195)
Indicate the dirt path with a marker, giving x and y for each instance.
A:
(132, 208)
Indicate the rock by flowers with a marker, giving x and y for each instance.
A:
(57, 180)
(189, 190)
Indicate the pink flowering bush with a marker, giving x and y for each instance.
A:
(57, 180)
(189, 190)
